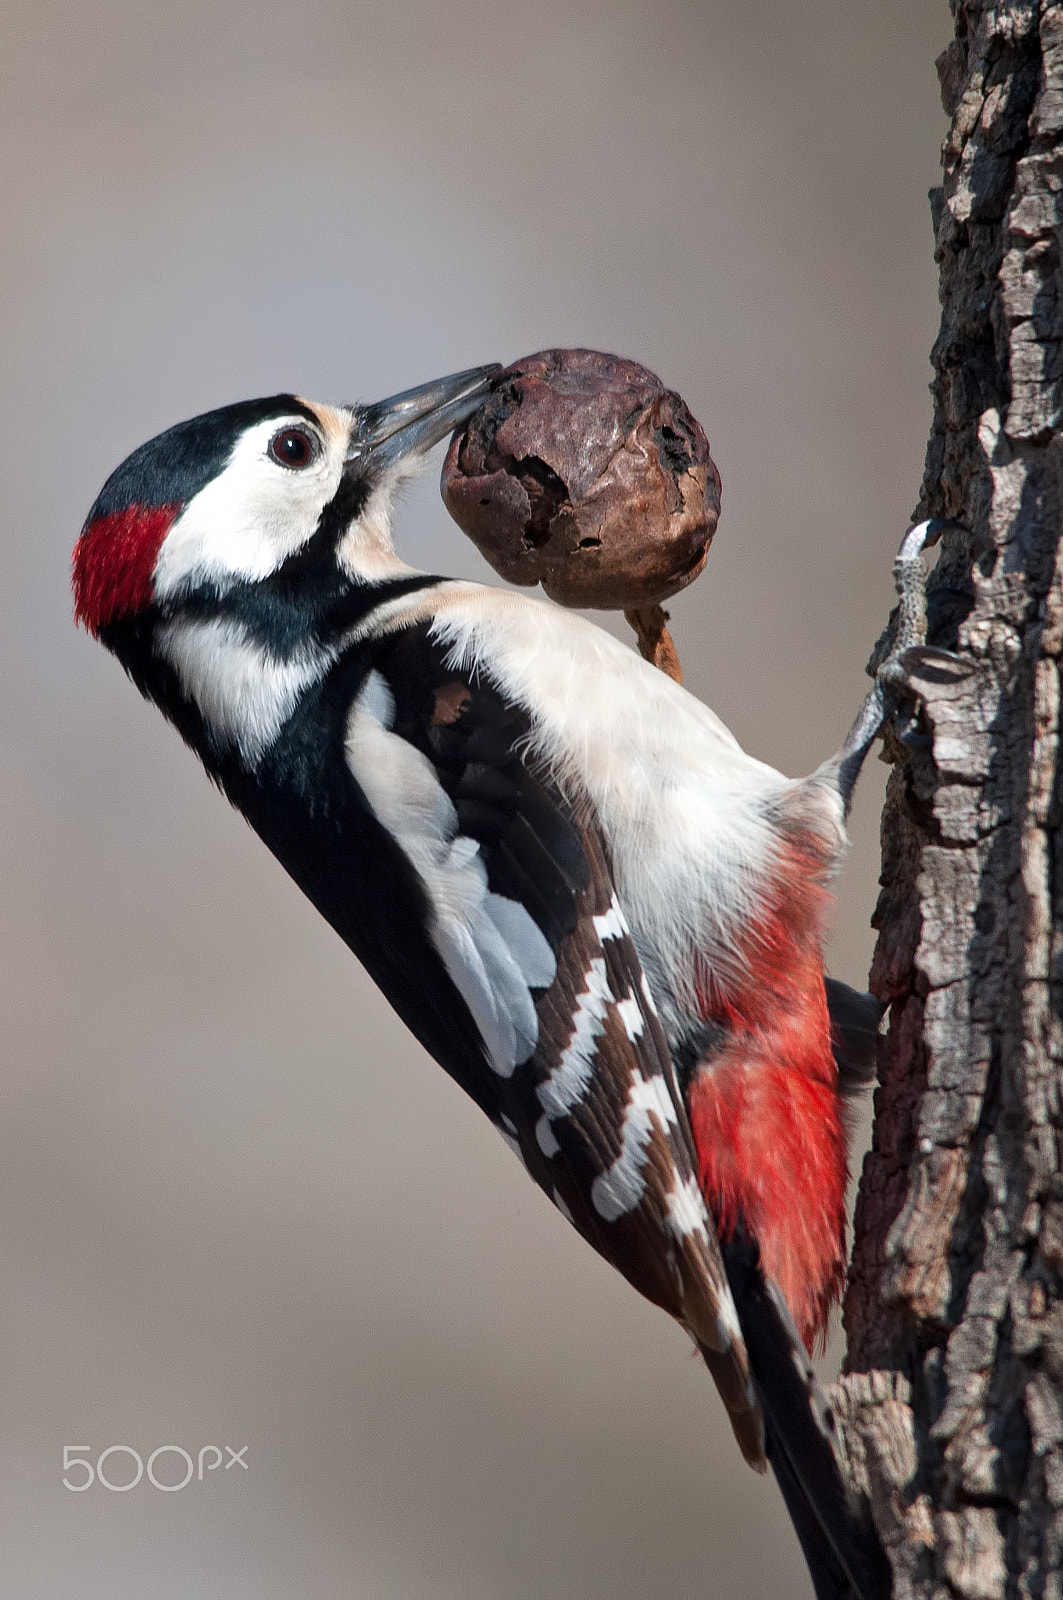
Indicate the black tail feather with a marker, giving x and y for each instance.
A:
(844, 1555)
(854, 1020)
(829, 1580)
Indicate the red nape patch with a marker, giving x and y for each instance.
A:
(765, 1110)
(114, 560)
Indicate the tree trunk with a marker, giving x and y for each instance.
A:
(953, 1396)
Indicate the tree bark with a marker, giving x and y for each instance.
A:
(953, 1395)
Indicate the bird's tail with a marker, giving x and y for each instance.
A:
(844, 1555)
(854, 1020)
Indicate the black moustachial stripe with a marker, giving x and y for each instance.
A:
(283, 618)
(268, 619)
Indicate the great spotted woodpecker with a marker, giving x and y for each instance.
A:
(597, 913)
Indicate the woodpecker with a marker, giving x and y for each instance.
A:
(599, 914)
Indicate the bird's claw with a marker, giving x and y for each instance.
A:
(922, 661)
(902, 675)
(909, 660)
(911, 657)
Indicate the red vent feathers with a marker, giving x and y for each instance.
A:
(114, 560)
(766, 1115)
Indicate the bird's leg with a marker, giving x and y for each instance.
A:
(891, 679)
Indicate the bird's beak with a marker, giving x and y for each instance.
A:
(412, 422)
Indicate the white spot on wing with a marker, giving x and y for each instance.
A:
(568, 1083)
(687, 1216)
(730, 1330)
(545, 1137)
(526, 940)
(611, 924)
(630, 1013)
(483, 971)
(377, 700)
(620, 1188)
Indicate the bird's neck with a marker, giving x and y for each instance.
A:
(243, 665)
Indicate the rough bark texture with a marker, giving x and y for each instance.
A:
(954, 1313)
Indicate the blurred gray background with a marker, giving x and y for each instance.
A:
(239, 1205)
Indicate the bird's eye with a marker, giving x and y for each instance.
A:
(294, 447)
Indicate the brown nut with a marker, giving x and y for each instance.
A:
(582, 472)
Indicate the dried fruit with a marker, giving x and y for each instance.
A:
(582, 472)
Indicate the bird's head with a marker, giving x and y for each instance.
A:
(275, 494)
(226, 561)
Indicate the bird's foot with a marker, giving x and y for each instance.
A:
(907, 668)
(909, 657)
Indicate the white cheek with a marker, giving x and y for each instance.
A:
(247, 520)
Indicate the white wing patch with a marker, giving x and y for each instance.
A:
(377, 701)
(493, 950)
(545, 1137)
(568, 1083)
(525, 939)
(612, 924)
(621, 1186)
(630, 1014)
(687, 1216)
